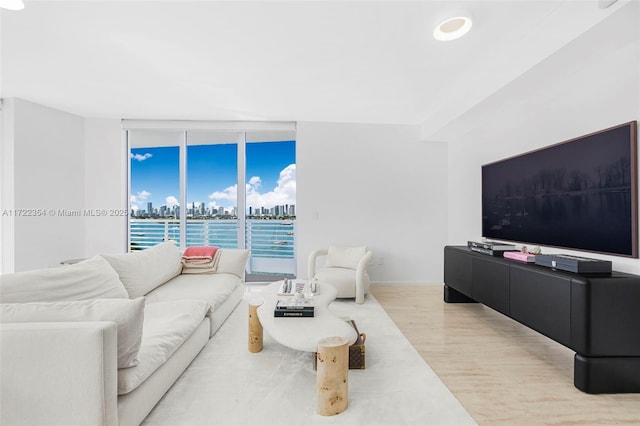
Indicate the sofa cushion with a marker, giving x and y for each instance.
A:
(345, 257)
(233, 261)
(90, 279)
(212, 288)
(166, 326)
(127, 314)
(142, 271)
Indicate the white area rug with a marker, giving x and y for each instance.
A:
(228, 385)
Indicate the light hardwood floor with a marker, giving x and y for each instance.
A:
(502, 372)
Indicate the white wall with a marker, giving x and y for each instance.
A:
(55, 161)
(6, 187)
(374, 185)
(590, 84)
(47, 175)
(105, 163)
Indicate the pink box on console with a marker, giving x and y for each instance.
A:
(519, 256)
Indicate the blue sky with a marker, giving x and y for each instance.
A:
(211, 175)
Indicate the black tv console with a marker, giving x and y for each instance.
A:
(596, 315)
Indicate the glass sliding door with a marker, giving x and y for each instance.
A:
(154, 188)
(212, 189)
(270, 202)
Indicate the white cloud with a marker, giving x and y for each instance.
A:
(230, 193)
(140, 157)
(140, 197)
(283, 193)
(171, 201)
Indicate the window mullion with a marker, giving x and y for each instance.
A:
(127, 161)
(183, 191)
(241, 189)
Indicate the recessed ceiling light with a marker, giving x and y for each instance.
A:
(12, 4)
(452, 28)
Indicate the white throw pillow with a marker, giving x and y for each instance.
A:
(127, 314)
(345, 257)
(142, 271)
(90, 279)
(233, 261)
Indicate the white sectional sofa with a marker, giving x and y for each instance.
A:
(101, 341)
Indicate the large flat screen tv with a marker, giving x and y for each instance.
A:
(580, 194)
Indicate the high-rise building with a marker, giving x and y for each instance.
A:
(149, 209)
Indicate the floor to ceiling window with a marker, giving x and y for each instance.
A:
(212, 167)
(271, 202)
(154, 188)
(228, 188)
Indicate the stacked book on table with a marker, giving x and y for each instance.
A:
(491, 248)
(294, 307)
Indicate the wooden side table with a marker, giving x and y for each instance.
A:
(255, 328)
(332, 378)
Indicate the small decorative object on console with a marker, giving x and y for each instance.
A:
(491, 248)
(491, 245)
(580, 265)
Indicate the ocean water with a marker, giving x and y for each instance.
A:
(265, 238)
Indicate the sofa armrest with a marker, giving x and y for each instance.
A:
(58, 373)
(363, 263)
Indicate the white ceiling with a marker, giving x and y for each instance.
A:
(362, 61)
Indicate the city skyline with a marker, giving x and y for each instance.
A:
(199, 210)
(212, 176)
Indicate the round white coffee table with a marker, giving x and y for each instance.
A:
(303, 333)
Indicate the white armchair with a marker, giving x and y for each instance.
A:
(345, 268)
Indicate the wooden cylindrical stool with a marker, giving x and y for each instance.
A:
(332, 378)
(255, 328)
